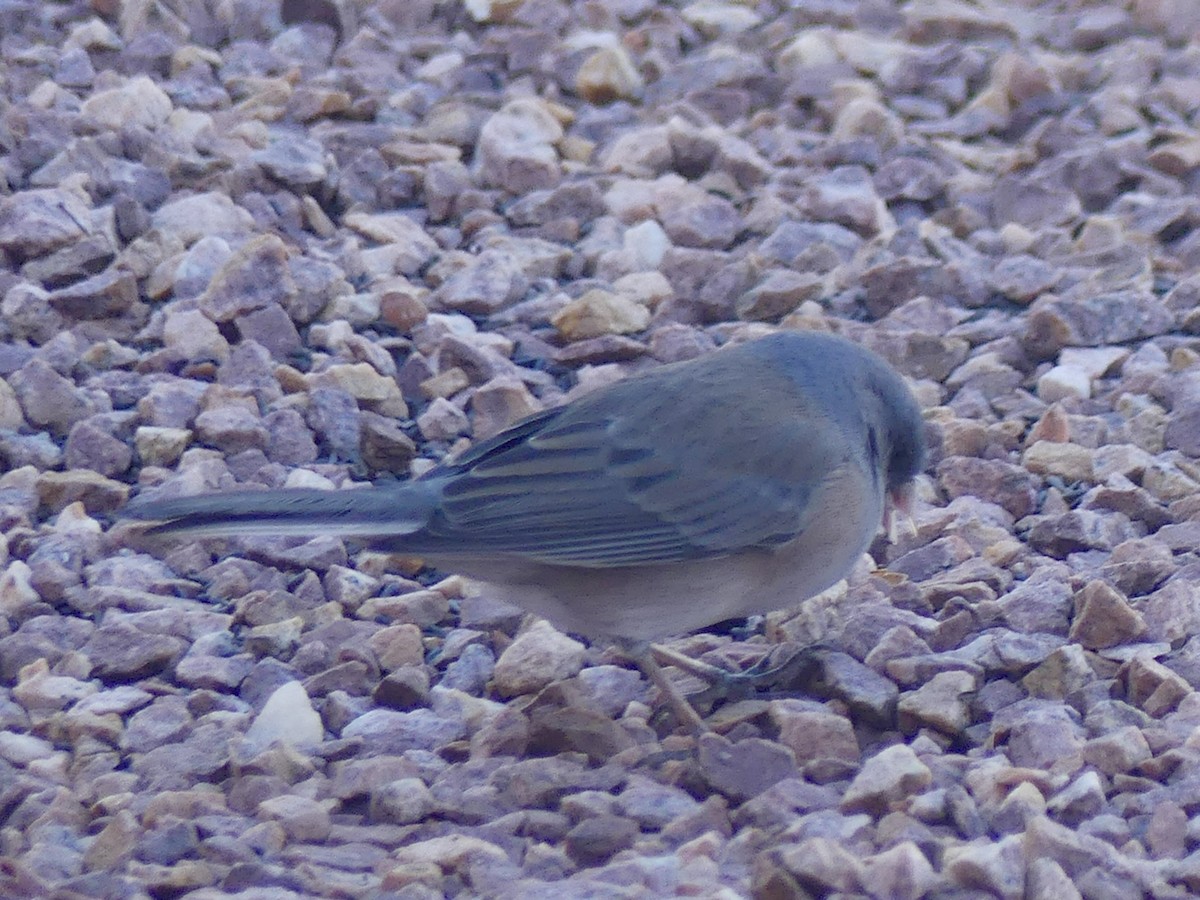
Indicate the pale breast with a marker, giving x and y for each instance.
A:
(652, 601)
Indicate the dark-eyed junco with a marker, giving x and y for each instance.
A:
(734, 484)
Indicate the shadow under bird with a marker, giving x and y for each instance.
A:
(743, 481)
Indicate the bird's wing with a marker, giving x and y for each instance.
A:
(682, 471)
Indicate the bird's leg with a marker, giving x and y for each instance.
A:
(765, 673)
(702, 670)
(727, 685)
(643, 655)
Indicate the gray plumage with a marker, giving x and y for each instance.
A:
(736, 483)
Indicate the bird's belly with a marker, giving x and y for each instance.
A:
(652, 601)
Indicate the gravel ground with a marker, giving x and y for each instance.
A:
(240, 244)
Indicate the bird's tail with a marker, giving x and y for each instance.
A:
(363, 513)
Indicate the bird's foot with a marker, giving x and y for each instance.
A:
(799, 667)
(724, 686)
(643, 654)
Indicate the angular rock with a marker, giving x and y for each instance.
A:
(48, 399)
(1104, 618)
(255, 277)
(743, 769)
(598, 313)
(890, 775)
(537, 657)
(942, 703)
(122, 652)
(814, 734)
(36, 222)
(287, 716)
(516, 149)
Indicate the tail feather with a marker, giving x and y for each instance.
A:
(363, 513)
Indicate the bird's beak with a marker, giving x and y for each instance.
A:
(897, 513)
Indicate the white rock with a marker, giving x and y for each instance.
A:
(714, 19)
(11, 416)
(306, 478)
(647, 243)
(1095, 361)
(516, 148)
(1062, 382)
(194, 336)
(137, 102)
(192, 218)
(16, 593)
(287, 716)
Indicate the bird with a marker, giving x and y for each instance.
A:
(729, 485)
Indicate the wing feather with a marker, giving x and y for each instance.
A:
(610, 483)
